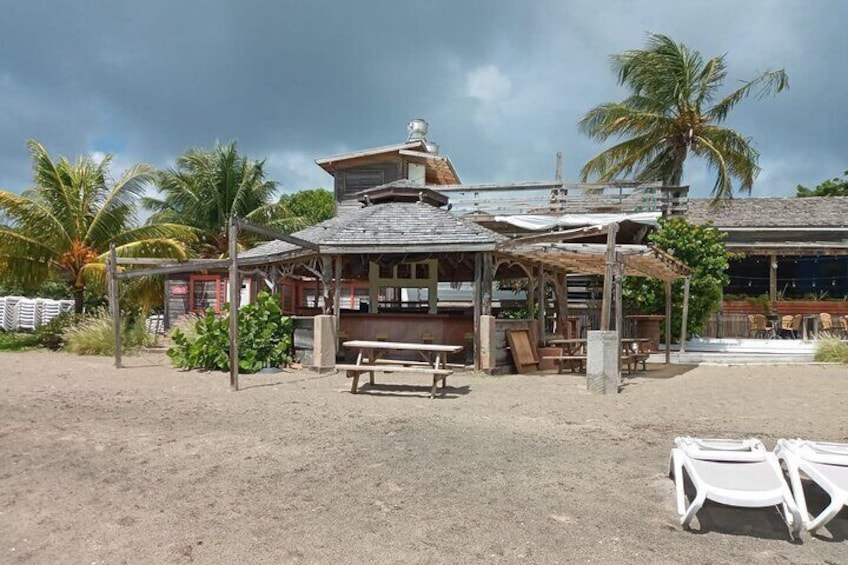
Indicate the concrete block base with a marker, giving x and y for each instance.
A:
(487, 343)
(324, 346)
(603, 374)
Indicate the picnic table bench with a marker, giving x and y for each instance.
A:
(371, 358)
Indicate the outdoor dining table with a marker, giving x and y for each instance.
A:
(371, 358)
(573, 353)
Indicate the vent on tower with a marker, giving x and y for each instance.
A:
(417, 129)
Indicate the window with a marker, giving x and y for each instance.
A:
(206, 291)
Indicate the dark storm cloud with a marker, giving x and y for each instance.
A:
(502, 83)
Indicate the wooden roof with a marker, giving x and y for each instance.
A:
(829, 211)
(590, 258)
(438, 168)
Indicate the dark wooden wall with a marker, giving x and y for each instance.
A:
(176, 299)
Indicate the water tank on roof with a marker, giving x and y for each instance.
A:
(417, 129)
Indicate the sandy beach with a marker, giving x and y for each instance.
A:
(151, 465)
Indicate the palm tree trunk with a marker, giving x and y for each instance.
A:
(78, 299)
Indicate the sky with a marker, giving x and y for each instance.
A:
(502, 83)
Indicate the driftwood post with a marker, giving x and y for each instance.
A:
(478, 306)
(235, 291)
(685, 321)
(667, 286)
(114, 306)
(337, 292)
(541, 303)
(609, 274)
(619, 310)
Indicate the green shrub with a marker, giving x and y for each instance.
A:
(832, 351)
(702, 249)
(265, 339)
(94, 335)
(17, 341)
(52, 334)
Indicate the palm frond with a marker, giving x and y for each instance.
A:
(765, 84)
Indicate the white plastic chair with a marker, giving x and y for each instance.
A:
(732, 472)
(824, 463)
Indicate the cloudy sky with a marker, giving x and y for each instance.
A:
(502, 83)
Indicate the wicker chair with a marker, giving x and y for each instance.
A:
(825, 324)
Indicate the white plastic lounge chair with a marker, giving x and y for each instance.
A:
(824, 463)
(732, 472)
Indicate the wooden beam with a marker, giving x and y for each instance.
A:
(114, 304)
(175, 269)
(556, 237)
(273, 234)
(541, 303)
(326, 280)
(235, 292)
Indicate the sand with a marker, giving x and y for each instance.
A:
(151, 465)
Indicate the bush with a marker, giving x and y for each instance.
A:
(265, 339)
(832, 351)
(701, 248)
(52, 334)
(94, 335)
(17, 341)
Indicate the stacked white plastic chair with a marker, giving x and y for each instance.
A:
(49, 310)
(2, 313)
(10, 321)
(28, 314)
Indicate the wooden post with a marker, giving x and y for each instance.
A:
(619, 311)
(667, 285)
(541, 305)
(685, 322)
(609, 273)
(561, 291)
(772, 280)
(337, 292)
(114, 305)
(235, 292)
(478, 306)
(326, 279)
(487, 276)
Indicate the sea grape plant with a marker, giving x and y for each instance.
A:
(265, 339)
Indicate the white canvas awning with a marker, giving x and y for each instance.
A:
(546, 222)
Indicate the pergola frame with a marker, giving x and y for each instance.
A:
(539, 256)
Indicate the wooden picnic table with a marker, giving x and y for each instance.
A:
(371, 358)
(573, 353)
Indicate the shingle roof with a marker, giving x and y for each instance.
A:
(394, 226)
(831, 211)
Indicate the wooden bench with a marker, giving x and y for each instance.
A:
(354, 371)
(574, 361)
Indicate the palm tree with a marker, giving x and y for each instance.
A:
(207, 188)
(65, 225)
(671, 113)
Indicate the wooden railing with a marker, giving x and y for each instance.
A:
(565, 198)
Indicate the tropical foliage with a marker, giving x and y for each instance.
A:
(207, 188)
(831, 187)
(64, 225)
(94, 335)
(265, 339)
(674, 110)
(701, 248)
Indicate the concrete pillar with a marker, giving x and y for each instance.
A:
(487, 343)
(324, 344)
(602, 356)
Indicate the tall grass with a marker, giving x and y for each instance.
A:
(95, 336)
(832, 351)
